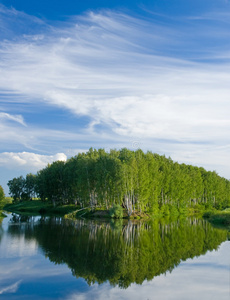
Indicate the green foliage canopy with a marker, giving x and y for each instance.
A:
(138, 181)
(116, 211)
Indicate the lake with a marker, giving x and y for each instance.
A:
(53, 258)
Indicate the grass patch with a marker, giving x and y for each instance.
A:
(97, 213)
(38, 207)
(4, 202)
(136, 215)
(219, 217)
(103, 213)
(2, 215)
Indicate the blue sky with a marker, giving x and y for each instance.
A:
(138, 74)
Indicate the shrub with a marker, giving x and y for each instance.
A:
(116, 211)
(227, 209)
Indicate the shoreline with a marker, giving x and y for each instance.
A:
(71, 211)
(37, 207)
(219, 218)
(3, 203)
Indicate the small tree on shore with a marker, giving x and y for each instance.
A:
(2, 194)
(17, 188)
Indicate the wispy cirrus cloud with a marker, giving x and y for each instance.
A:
(107, 66)
(16, 118)
(11, 288)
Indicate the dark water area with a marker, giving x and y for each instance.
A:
(53, 258)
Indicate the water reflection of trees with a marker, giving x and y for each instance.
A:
(1, 231)
(120, 253)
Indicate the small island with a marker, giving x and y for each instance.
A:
(118, 184)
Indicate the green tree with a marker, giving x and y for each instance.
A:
(2, 194)
(17, 188)
(138, 181)
(30, 185)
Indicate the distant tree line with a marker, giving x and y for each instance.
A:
(138, 181)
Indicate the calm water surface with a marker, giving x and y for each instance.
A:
(50, 258)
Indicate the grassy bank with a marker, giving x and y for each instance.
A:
(219, 218)
(38, 207)
(4, 202)
(2, 215)
(114, 212)
(103, 213)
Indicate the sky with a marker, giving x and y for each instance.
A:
(111, 74)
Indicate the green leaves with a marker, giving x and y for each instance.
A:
(140, 182)
(116, 211)
(2, 194)
(17, 187)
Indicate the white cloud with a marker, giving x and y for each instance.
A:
(28, 161)
(11, 288)
(16, 118)
(35, 139)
